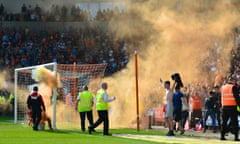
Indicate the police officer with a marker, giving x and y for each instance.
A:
(35, 104)
(229, 101)
(102, 101)
(84, 106)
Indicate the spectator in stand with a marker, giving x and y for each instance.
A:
(24, 9)
(1, 9)
(23, 47)
(99, 15)
(57, 13)
(38, 12)
(64, 13)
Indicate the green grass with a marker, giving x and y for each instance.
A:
(23, 134)
(6, 118)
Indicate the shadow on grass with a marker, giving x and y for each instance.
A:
(141, 132)
(6, 118)
(61, 131)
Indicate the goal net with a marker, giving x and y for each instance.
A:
(59, 102)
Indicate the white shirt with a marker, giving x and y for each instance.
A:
(168, 97)
(78, 97)
(106, 99)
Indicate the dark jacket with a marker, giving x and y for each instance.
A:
(210, 103)
(236, 90)
(35, 102)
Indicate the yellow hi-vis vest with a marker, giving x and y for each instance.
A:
(10, 97)
(85, 102)
(100, 103)
(2, 100)
(228, 98)
(238, 108)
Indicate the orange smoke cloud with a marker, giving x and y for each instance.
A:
(43, 75)
(173, 41)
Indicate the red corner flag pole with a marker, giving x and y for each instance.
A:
(137, 97)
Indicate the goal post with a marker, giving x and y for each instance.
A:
(54, 100)
(72, 77)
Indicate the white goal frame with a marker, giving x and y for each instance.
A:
(54, 64)
(68, 71)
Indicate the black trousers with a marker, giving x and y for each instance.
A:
(36, 117)
(195, 114)
(184, 118)
(219, 119)
(177, 115)
(83, 117)
(229, 113)
(49, 123)
(102, 117)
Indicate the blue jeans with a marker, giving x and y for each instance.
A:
(211, 113)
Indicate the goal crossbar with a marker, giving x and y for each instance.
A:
(25, 68)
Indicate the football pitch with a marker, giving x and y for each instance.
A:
(23, 134)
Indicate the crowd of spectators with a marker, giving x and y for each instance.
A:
(235, 53)
(24, 47)
(60, 13)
